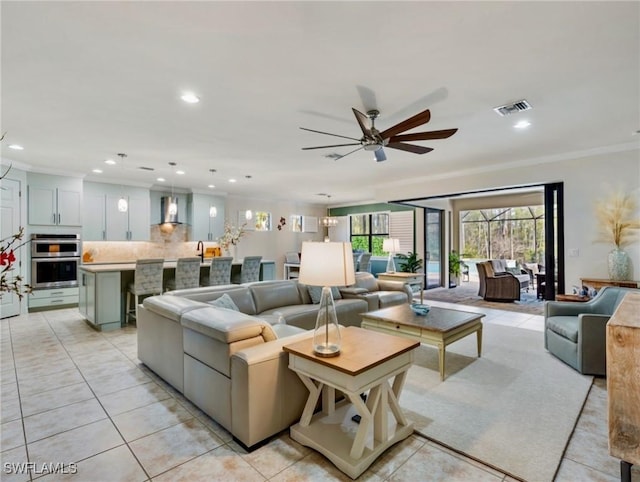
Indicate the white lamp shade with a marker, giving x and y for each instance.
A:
(391, 245)
(326, 264)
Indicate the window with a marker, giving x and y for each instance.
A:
(368, 232)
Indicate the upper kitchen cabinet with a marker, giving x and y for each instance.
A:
(205, 214)
(105, 222)
(54, 200)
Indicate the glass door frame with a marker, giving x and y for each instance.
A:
(426, 254)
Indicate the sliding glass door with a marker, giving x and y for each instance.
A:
(433, 222)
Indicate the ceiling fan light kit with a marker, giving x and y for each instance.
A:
(373, 140)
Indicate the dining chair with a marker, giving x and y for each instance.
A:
(364, 263)
(187, 274)
(250, 270)
(147, 280)
(220, 270)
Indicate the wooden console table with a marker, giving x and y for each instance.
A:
(596, 283)
(367, 361)
(623, 383)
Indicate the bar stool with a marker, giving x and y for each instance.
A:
(250, 270)
(147, 281)
(220, 270)
(187, 274)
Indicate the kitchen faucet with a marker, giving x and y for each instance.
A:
(200, 250)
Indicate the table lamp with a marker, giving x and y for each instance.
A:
(326, 265)
(391, 246)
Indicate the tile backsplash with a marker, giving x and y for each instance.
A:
(165, 243)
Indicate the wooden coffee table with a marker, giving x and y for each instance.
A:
(440, 327)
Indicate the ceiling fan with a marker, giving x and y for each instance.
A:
(374, 140)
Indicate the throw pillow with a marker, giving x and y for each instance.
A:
(225, 301)
(315, 292)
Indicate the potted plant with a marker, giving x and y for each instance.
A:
(410, 262)
(454, 268)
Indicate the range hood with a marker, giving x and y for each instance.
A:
(169, 210)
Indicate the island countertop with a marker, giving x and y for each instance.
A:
(131, 266)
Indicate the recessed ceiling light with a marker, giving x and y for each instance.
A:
(98, 171)
(210, 186)
(523, 124)
(160, 179)
(190, 98)
(111, 162)
(232, 180)
(16, 147)
(179, 173)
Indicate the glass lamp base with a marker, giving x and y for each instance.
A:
(326, 351)
(391, 265)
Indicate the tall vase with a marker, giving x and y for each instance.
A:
(618, 264)
(232, 251)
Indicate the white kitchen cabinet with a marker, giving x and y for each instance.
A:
(53, 298)
(54, 200)
(94, 227)
(203, 226)
(103, 221)
(131, 225)
(100, 299)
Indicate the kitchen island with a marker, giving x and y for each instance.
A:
(103, 288)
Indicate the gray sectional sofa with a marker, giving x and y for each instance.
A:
(230, 363)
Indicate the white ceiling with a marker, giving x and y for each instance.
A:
(82, 81)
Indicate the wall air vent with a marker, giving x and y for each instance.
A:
(143, 168)
(512, 108)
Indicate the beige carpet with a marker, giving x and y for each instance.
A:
(467, 294)
(515, 408)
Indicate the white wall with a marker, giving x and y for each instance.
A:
(273, 244)
(585, 181)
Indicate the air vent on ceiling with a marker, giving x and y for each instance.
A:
(143, 168)
(512, 108)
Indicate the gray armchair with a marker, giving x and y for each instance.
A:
(576, 332)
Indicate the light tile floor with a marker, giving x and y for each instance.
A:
(72, 395)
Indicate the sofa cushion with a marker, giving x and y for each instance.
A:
(226, 325)
(271, 295)
(499, 265)
(225, 301)
(287, 330)
(565, 326)
(240, 295)
(172, 307)
(369, 282)
(391, 298)
(315, 293)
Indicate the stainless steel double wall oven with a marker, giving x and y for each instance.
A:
(55, 259)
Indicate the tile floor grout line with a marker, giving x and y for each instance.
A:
(101, 405)
(24, 429)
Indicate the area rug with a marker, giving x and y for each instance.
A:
(467, 294)
(514, 408)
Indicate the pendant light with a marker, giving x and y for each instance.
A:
(173, 205)
(123, 205)
(248, 215)
(213, 211)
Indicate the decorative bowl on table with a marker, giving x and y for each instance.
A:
(420, 309)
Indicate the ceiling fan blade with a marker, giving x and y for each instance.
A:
(363, 120)
(380, 155)
(415, 121)
(409, 148)
(355, 150)
(335, 145)
(424, 136)
(329, 134)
